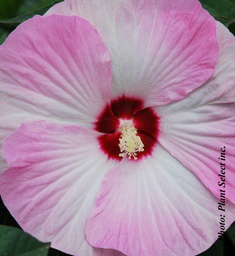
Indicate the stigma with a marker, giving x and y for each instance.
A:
(130, 143)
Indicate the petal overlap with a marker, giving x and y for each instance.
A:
(155, 207)
(54, 174)
(195, 129)
(160, 50)
(54, 68)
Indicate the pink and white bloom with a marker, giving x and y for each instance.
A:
(113, 114)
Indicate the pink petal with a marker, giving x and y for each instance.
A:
(53, 68)
(155, 207)
(195, 129)
(54, 174)
(160, 50)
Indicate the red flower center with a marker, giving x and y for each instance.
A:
(127, 124)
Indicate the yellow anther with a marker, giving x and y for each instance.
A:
(129, 143)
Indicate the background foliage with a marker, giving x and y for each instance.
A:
(14, 241)
(13, 12)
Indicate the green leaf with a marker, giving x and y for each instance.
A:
(231, 27)
(231, 234)
(32, 6)
(223, 11)
(14, 12)
(3, 34)
(15, 242)
(28, 9)
(9, 8)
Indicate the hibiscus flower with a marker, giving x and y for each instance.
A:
(113, 117)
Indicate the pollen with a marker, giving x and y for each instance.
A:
(130, 143)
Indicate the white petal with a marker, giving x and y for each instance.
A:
(54, 68)
(54, 174)
(155, 207)
(161, 50)
(196, 129)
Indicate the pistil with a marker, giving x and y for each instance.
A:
(130, 143)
